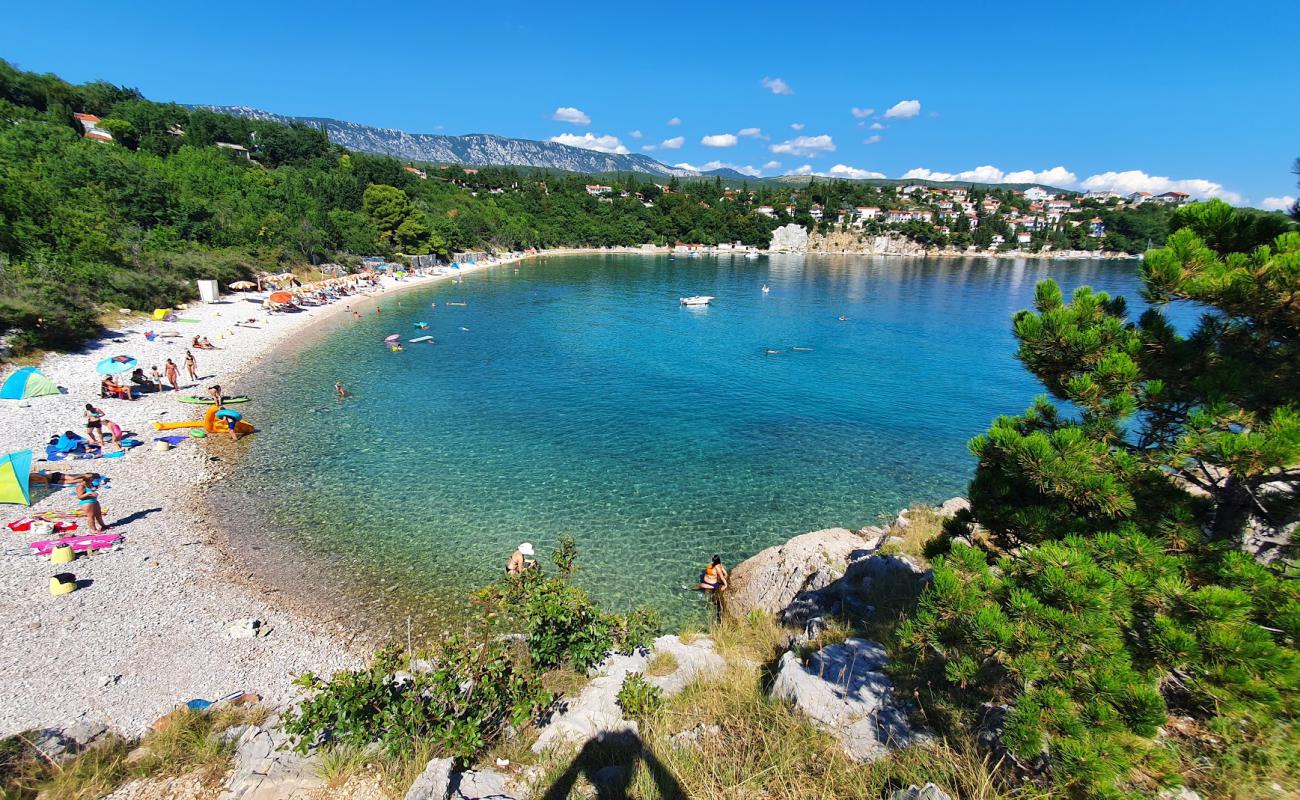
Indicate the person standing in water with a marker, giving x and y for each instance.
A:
(521, 560)
(339, 390)
(715, 578)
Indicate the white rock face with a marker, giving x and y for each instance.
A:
(595, 710)
(266, 769)
(770, 580)
(789, 239)
(844, 690)
(694, 660)
(434, 783)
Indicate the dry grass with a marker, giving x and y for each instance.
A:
(341, 763)
(925, 524)
(661, 664)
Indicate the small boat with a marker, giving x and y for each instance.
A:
(461, 305)
(419, 339)
(766, 289)
(751, 256)
(697, 300)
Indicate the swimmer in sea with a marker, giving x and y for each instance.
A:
(339, 390)
(843, 318)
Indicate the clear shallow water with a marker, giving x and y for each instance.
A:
(583, 399)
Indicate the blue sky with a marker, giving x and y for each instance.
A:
(1143, 94)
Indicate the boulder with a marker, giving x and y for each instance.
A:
(844, 690)
(1180, 793)
(434, 783)
(926, 792)
(789, 239)
(481, 784)
(695, 660)
(264, 768)
(951, 507)
(595, 710)
(61, 744)
(770, 580)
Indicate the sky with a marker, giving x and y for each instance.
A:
(1141, 95)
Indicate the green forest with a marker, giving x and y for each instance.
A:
(88, 225)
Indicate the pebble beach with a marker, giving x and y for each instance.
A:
(148, 627)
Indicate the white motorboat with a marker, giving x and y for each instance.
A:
(697, 300)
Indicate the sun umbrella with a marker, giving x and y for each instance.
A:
(243, 285)
(114, 365)
(15, 477)
(392, 338)
(281, 297)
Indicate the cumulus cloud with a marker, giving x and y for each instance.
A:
(1282, 203)
(806, 169)
(904, 109)
(634, 134)
(876, 126)
(591, 141)
(861, 113)
(675, 121)
(719, 140)
(755, 132)
(808, 146)
(797, 125)
(872, 139)
(1135, 180)
(649, 148)
(772, 165)
(746, 169)
(1056, 176)
(571, 115)
(777, 86)
(845, 171)
(674, 143)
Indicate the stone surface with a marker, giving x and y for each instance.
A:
(951, 507)
(789, 238)
(926, 792)
(595, 709)
(1181, 793)
(770, 580)
(434, 783)
(485, 784)
(843, 689)
(695, 660)
(61, 744)
(264, 768)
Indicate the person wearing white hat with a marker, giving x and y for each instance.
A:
(521, 560)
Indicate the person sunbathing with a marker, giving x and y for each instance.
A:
(111, 388)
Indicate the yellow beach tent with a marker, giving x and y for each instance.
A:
(15, 477)
(161, 313)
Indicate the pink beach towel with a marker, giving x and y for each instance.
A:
(95, 541)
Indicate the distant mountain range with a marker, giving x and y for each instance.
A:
(474, 149)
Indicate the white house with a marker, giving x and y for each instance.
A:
(896, 216)
(1138, 198)
(913, 188)
(90, 129)
(238, 149)
(1172, 198)
(595, 189)
(1024, 237)
(863, 213)
(766, 211)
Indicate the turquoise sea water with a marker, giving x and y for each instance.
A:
(576, 395)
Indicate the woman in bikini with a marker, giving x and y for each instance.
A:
(94, 424)
(88, 502)
(191, 366)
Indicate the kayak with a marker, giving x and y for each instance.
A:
(207, 401)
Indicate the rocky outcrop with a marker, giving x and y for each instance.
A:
(844, 690)
(926, 792)
(856, 242)
(770, 580)
(789, 239)
(434, 783)
(62, 744)
(482, 784)
(265, 768)
(695, 661)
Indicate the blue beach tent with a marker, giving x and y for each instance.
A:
(27, 382)
(15, 478)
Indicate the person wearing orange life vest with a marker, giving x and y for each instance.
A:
(715, 577)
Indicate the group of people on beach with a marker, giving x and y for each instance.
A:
(155, 381)
(714, 580)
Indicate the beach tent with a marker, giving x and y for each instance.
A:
(161, 313)
(15, 477)
(27, 382)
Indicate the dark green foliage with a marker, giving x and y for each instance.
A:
(1110, 595)
(462, 704)
(639, 698)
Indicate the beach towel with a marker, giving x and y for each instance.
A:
(25, 524)
(95, 541)
(172, 440)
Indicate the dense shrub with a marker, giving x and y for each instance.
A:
(639, 698)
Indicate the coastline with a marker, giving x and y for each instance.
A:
(148, 629)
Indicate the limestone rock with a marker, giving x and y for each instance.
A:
(434, 783)
(789, 239)
(264, 768)
(770, 580)
(951, 507)
(1181, 793)
(914, 792)
(62, 744)
(695, 660)
(843, 689)
(595, 710)
(483, 784)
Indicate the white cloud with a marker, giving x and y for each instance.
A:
(675, 121)
(797, 125)
(755, 132)
(873, 139)
(634, 134)
(1282, 203)
(591, 141)
(746, 169)
(1056, 176)
(845, 171)
(876, 126)
(1134, 180)
(649, 148)
(806, 169)
(719, 140)
(904, 109)
(777, 86)
(571, 115)
(772, 165)
(674, 143)
(861, 113)
(808, 146)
